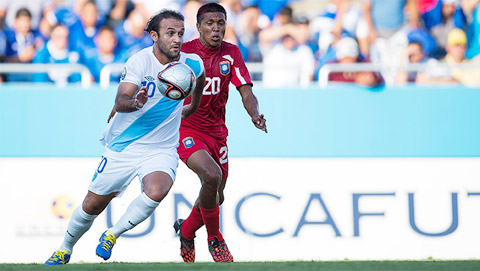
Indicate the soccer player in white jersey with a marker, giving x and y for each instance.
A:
(141, 140)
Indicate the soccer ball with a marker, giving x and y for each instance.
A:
(63, 207)
(176, 81)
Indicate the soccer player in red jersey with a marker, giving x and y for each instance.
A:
(203, 136)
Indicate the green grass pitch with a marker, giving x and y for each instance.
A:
(264, 266)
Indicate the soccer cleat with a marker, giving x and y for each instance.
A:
(219, 251)
(187, 247)
(104, 249)
(59, 257)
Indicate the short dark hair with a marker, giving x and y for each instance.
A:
(301, 20)
(57, 26)
(250, 6)
(106, 28)
(287, 11)
(210, 7)
(90, 2)
(154, 22)
(23, 12)
(416, 42)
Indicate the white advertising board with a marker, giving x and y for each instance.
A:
(275, 209)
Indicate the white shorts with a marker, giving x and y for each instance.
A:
(116, 170)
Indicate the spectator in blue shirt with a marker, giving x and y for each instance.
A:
(444, 16)
(248, 29)
(65, 16)
(21, 43)
(385, 18)
(56, 51)
(339, 19)
(83, 31)
(104, 53)
(131, 34)
(388, 31)
(37, 9)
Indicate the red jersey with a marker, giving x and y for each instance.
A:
(222, 66)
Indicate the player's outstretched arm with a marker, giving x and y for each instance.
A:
(127, 100)
(250, 103)
(190, 108)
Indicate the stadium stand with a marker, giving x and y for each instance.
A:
(317, 27)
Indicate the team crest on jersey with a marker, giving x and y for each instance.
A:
(124, 73)
(225, 67)
(188, 142)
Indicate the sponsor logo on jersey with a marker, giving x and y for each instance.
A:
(124, 73)
(188, 142)
(225, 67)
(149, 78)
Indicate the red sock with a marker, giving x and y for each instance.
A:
(193, 222)
(211, 218)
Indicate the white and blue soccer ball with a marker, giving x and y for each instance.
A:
(176, 81)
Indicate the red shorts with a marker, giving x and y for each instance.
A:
(192, 141)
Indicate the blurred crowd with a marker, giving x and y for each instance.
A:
(293, 39)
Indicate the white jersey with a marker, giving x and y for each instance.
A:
(157, 123)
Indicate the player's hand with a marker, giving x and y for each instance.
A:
(260, 122)
(142, 97)
(111, 114)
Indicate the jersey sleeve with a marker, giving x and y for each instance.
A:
(195, 63)
(240, 74)
(132, 71)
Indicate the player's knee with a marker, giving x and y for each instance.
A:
(91, 207)
(212, 178)
(158, 193)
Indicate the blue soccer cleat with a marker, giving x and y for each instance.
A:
(59, 257)
(107, 241)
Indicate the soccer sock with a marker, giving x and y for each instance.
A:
(79, 223)
(211, 218)
(193, 222)
(139, 210)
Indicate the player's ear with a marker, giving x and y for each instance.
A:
(198, 27)
(154, 35)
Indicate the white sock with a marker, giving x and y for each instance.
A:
(139, 210)
(79, 223)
